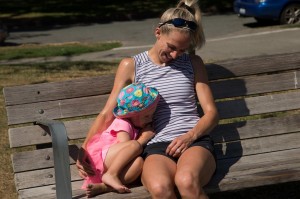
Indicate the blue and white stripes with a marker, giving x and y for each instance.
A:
(176, 112)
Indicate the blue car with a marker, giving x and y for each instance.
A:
(282, 11)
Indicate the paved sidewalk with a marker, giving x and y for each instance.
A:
(246, 45)
(228, 37)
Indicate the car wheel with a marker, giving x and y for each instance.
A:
(290, 14)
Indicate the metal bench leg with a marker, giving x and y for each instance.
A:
(61, 157)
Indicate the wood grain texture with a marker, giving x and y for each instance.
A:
(260, 104)
(252, 85)
(77, 129)
(250, 153)
(55, 109)
(246, 171)
(40, 174)
(253, 65)
(80, 87)
(92, 105)
(33, 135)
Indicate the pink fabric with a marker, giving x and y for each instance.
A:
(99, 144)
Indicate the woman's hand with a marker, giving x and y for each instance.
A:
(83, 165)
(179, 145)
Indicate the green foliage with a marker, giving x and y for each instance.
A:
(45, 14)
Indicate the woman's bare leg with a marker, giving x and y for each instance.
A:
(158, 176)
(195, 168)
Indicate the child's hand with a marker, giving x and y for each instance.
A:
(146, 134)
(82, 164)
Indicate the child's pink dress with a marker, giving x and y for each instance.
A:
(99, 144)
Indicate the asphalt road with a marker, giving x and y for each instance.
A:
(228, 36)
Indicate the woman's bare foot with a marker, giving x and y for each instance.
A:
(96, 189)
(114, 182)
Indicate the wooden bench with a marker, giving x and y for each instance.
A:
(257, 141)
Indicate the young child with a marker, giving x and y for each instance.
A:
(115, 148)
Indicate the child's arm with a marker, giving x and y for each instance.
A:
(123, 136)
(145, 135)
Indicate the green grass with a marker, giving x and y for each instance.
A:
(20, 74)
(37, 14)
(50, 50)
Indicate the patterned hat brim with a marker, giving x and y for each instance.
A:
(136, 113)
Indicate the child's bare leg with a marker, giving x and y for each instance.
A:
(115, 183)
(132, 171)
(118, 157)
(96, 189)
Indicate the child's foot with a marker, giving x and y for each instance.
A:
(114, 182)
(96, 189)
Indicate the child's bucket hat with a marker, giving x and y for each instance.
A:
(135, 99)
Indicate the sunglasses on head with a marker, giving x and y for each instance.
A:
(180, 23)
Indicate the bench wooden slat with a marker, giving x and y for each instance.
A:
(43, 158)
(250, 153)
(256, 128)
(255, 85)
(253, 65)
(239, 170)
(286, 173)
(48, 192)
(259, 105)
(256, 161)
(92, 105)
(55, 109)
(41, 177)
(103, 85)
(76, 129)
(80, 87)
(284, 164)
(32, 135)
(258, 145)
(251, 164)
(224, 151)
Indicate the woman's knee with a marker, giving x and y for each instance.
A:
(186, 180)
(159, 189)
(189, 185)
(158, 176)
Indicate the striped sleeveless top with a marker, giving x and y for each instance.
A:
(176, 111)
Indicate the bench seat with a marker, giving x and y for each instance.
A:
(257, 141)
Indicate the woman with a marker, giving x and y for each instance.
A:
(181, 150)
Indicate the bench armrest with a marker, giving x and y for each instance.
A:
(58, 133)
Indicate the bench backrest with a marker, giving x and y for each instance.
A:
(258, 100)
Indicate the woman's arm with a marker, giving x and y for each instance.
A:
(210, 118)
(124, 76)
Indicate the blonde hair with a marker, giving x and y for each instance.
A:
(188, 10)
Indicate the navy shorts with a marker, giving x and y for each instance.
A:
(161, 147)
